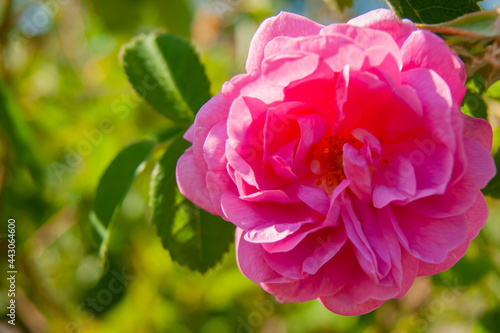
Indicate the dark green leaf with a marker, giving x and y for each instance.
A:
(193, 237)
(480, 24)
(493, 187)
(490, 320)
(476, 84)
(19, 134)
(163, 186)
(473, 103)
(432, 11)
(111, 286)
(166, 72)
(169, 133)
(114, 185)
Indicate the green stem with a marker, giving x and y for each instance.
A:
(449, 31)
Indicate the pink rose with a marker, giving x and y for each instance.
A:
(343, 159)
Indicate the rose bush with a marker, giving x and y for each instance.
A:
(342, 157)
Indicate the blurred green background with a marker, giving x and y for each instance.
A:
(59, 61)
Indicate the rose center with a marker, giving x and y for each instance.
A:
(326, 161)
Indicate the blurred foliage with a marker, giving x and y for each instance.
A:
(67, 110)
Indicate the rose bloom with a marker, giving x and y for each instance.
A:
(342, 157)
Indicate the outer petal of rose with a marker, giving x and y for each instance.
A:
(282, 69)
(245, 112)
(328, 280)
(424, 49)
(481, 166)
(262, 215)
(253, 84)
(310, 255)
(458, 198)
(291, 241)
(437, 102)
(428, 239)
(479, 130)
(336, 50)
(250, 258)
(284, 24)
(217, 183)
(271, 234)
(191, 182)
(214, 111)
(476, 217)
(377, 44)
(385, 20)
(361, 288)
(460, 158)
(342, 304)
(214, 147)
(189, 135)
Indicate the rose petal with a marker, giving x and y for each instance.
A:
(284, 24)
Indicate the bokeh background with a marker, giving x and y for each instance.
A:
(59, 61)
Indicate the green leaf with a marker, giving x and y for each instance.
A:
(114, 186)
(193, 237)
(493, 187)
(473, 103)
(432, 11)
(20, 135)
(479, 24)
(166, 72)
(169, 133)
(494, 91)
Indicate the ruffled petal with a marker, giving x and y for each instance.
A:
(284, 24)
(192, 183)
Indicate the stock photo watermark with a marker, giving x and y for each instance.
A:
(437, 306)
(264, 309)
(11, 271)
(35, 20)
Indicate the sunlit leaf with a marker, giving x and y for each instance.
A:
(473, 103)
(166, 72)
(114, 186)
(193, 237)
(20, 135)
(478, 24)
(494, 91)
(432, 11)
